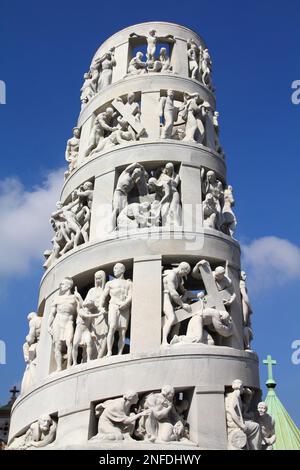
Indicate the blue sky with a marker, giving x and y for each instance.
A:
(45, 49)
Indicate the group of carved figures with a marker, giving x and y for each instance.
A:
(190, 120)
(217, 204)
(100, 72)
(161, 417)
(247, 430)
(71, 223)
(83, 330)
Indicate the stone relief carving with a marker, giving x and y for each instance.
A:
(71, 223)
(156, 417)
(267, 425)
(247, 312)
(217, 204)
(72, 151)
(116, 420)
(168, 114)
(205, 69)
(64, 311)
(30, 350)
(193, 113)
(41, 433)
(117, 294)
(194, 54)
(85, 333)
(243, 431)
(161, 421)
(153, 64)
(209, 313)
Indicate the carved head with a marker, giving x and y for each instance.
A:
(119, 270)
(131, 397)
(163, 52)
(152, 32)
(109, 112)
(238, 385)
(45, 422)
(66, 285)
(211, 176)
(152, 183)
(31, 315)
(136, 174)
(262, 408)
(243, 276)
(171, 93)
(100, 278)
(184, 269)
(76, 132)
(130, 98)
(89, 304)
(219, 273)
(87, 185)
(168, 392)
(139, 55)
(169, 169)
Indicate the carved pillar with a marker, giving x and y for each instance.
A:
(121, 56)
(150, 113)
(45, 358)
(84, 138)
(180, 58)
(102, 205)
(191, 199)
(146, 305)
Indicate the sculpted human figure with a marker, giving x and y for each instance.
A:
(72, 150)
(194, 114)
(137, 66)
(120, 136)
(247, 312)
(70, 227)
(118, 294)
(213, 185)
(194, 53)
(101, 322)
(267, 424)
(242, 433)
(210, 212)
(40, 434)
(85, 334)
(168, 114)
(152, 39)
(61, 322)
(163, 423)
(135, 215)
(84, 196)
(224, 285)
(126, 182)
(173, 291)
(87, 90)
(105, 65)
(102, 126)
(30, 350)
(116, 422)
(206, 65)
(218, 147)
(229, 222)
(170, 205)
(165, 61)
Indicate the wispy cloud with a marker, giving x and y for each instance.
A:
(25, 230)
(271, 261)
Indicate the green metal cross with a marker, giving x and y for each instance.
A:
(270, 362)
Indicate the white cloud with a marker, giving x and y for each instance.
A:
(25, 230)
(271, 261)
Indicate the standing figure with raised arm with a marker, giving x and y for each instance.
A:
(118, 294)
(152, 39)
(105, 65)
(101, 128)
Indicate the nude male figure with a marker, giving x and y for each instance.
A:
(61, 322)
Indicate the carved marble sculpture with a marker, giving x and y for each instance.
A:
(105, 65)
(85, 334)
(242, 433)
(72, 151)
(194, 115)
(168, 114)
(30, 350)
(173, 291)
(205, 67)
(63, 314)
(135, 215)
(118, 294)
(87, 90)
(116, 421)
(267, 424)
(131, 114)
(101, 128)
(101, 322)
(247, 312)
(169, 204)
(215, 120)
(194, 54)
(229, 222)
(210, 212)
(152, 39)
(137, 66)
(133, 175)
(41, 433)
(161, 422)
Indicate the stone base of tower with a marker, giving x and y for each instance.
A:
(201, 373)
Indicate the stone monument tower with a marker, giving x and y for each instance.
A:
(142, 332)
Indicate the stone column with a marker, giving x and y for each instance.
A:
(191, 197)
(236, 340)
(180, 58)
(121, 56)
(84, 138)
(150, 113)
(208, 402)
(145, 335)
(102, 205)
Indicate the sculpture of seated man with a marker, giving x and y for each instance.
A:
(267, 425)
(137, 66)
(243, 433)
(116, 422)
(134, 216)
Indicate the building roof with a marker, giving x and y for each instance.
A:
(287, 433)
